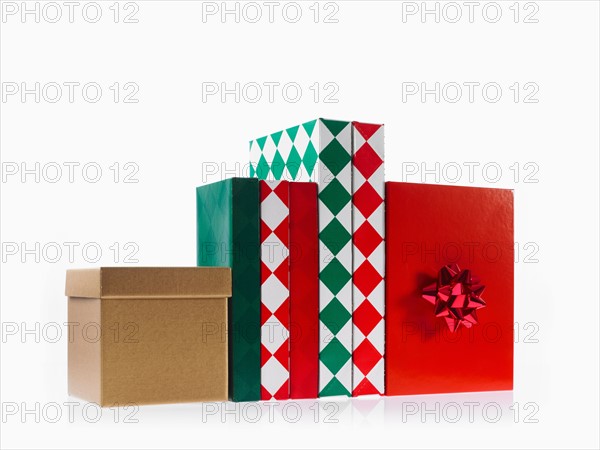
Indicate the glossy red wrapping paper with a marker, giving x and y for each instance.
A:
(304, 290)
(428, 227)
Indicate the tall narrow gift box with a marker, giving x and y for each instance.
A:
(228, 235)
(321, 150)
(368, 226)
(275, 290)
(289, 290)
(449, 289)
(304, 291)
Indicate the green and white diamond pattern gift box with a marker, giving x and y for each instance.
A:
(321, 151)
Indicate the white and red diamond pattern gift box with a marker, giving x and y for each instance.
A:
(275, 305)
(368, 229)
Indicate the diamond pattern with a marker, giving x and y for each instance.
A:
(274, 376)
(366, 278)
(366, 356)
(275, 310)
(367, 199)
(335, 236)
(294, 162)
(335, 276)
(366, 160)
(324, 150)
(310, 160)
(368, 256)
(334, 387)
(334, 316)
(262, 168)
(335, 355)
(335, 196)
(277, 165)
(276, 293)
(366, 318)
(292, 132)
(367, 239)
(335, 157)
(365, 387)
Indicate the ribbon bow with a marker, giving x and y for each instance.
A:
(456, 296)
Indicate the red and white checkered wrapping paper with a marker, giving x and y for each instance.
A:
(369, 259)
(275, 303)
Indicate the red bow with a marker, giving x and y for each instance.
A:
(456, 296)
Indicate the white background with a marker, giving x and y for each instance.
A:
(370, 54)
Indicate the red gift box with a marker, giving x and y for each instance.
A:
(304, 290)
(449, 289)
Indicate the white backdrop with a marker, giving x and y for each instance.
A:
(112, 113)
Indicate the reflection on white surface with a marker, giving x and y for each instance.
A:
(336, 412)
(471, 407)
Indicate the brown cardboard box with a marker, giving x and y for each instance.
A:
(148, 335)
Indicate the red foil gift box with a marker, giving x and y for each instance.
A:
(304, 291)
(449, 289)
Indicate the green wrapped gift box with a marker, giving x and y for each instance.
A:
(228, 235)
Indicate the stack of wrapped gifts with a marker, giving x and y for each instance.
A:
(315, 278)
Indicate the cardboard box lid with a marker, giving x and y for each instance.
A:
(149, 282)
